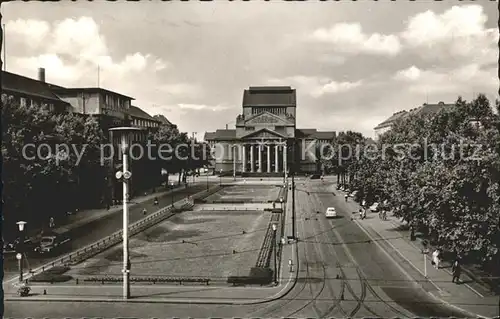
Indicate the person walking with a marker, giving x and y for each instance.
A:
(436, 258)
(456, 270)
(346, 197)
(144, 211)
(156, 201)
(412, 233)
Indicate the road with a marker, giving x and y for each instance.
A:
(371, 283)
(100, 228)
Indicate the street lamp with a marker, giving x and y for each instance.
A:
(20, 249)
(281, 203)
(275, 246)
(125, 175)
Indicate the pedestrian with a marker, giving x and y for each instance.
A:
(412, 233)
(346, 196)
(436, 258)
(456, 269)
(156, 201)
(144, 211)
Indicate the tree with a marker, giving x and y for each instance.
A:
(46, 184)
(441, 172)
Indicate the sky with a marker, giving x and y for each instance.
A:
(353, 64)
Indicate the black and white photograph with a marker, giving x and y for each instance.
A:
(250, 159)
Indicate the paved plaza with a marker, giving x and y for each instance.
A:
(208, 244)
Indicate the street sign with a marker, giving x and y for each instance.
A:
(19, 256)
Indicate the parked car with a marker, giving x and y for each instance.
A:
(374, 208)
(315, 176)
(353, 194)
(52, 241)
(331, 212)
(29, 244)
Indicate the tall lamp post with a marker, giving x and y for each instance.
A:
(275, 248)
(20, 248)
(124, 176)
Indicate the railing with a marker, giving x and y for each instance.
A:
(264, 257)
(113, 239)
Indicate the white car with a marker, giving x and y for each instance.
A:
(331, 212)
(374, 207)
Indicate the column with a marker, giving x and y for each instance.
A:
(268, 159)
(284, 159)
(276, 161)
(260, 148)
(244, 158)
(252, 161)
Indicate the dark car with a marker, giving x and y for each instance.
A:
(315, 176)
(29, 244)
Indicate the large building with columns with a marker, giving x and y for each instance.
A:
(263, 141)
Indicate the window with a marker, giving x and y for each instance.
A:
(249, 128)
(23, 102)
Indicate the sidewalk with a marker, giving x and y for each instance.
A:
(438, 283)
(87, 216)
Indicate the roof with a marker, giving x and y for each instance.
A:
(431, 109)
(425, 109)
(220, 135)
(313, 133)
(23, 85)
(162, 119)
(269, 96)
(225, 135)
(393, 118)
(61, 90)
(137, 112)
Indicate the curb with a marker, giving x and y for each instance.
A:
(469, 314)
(208, 301)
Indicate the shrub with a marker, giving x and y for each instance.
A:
(55, 274)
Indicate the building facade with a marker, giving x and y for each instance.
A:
(31, 92)
(266, 140)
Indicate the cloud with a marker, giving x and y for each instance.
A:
(31, 32)
(181, 89)
(316, 86)
(412, 73)
(214, 108)
(51, 62)
(349, 38)
(447, 81)
(459, 32)
(81, 40)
